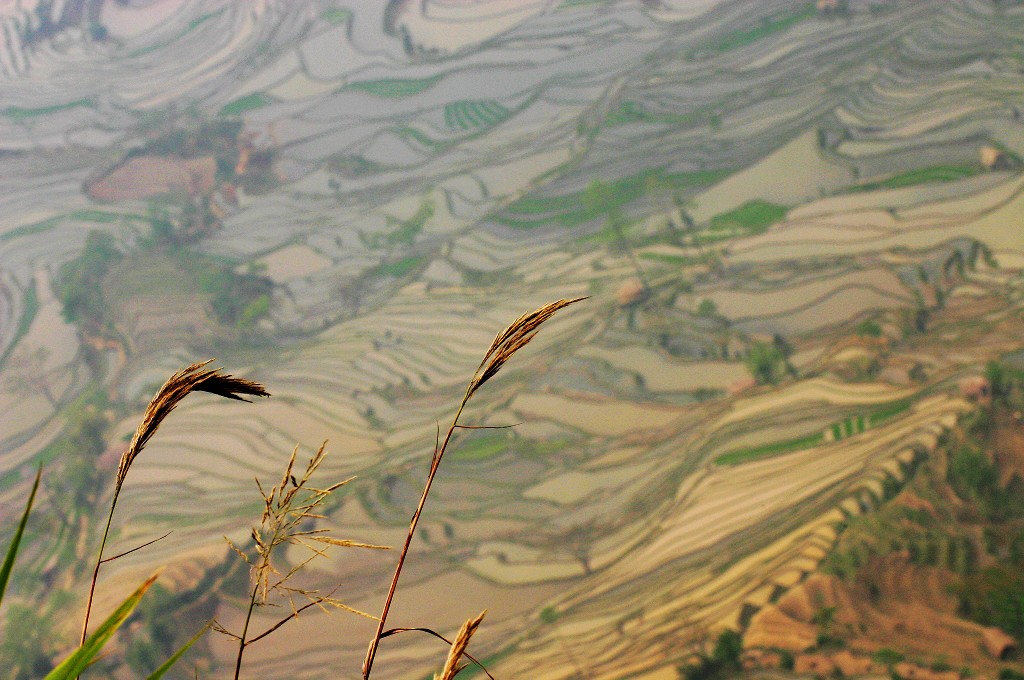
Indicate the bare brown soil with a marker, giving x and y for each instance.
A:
(892, 604)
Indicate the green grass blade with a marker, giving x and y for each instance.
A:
(166, 666)
(12, 551)
(72, 666)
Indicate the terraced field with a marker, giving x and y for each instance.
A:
(348, 202)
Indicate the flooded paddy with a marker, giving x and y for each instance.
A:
(410, 182)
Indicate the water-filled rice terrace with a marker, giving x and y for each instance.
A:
(411, 177)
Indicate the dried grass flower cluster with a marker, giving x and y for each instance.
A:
(193, 378)
(290, 509)
(518, 334)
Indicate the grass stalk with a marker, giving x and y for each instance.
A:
(371, 652)
(516, 336)
(245, 630)
(190, 379)
(288, 507)
(96, 569)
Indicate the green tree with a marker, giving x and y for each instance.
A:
(79, 283)
(707, 308)
(728, 648)
(723, 661)
(995, 597)
(28, 643)
(600, 199)
(868, 329)
(972, 475)
(996, 376)
(155, 639)
(238, 299)
(75, 490)
(160, 223)
(766, 362)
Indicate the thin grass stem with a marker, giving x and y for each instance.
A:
(245, 629)
(371, 652)
(193, 378)
(138, 547)
(96, 570)
(516, 336)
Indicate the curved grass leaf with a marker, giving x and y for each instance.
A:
(166, 666)
(12, 551)
(72, 666)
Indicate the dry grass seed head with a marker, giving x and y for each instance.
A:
(518, 334)
(178, 386)
(458, 648)
(287, 506)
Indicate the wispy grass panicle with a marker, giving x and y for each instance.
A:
(288, 509)
(516, 336)
(190, 379)
(194, 378)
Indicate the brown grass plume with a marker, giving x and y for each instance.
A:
(452, 665)
(194, 378)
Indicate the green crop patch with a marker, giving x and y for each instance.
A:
(30, 307)
(628, 112)
(888, 411)
(769, 450)
(570, 4)
(405, 231)
(481, 447)
(753, 217)
(29, 229)
(18, 113)
(400, 268)
(418, 137)
(766, 28)
(571, 210)
(635, 112)
(394, 87)
(335, 15)
(249, 102)
(848, 427)
(473, 115)
(933, 174)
